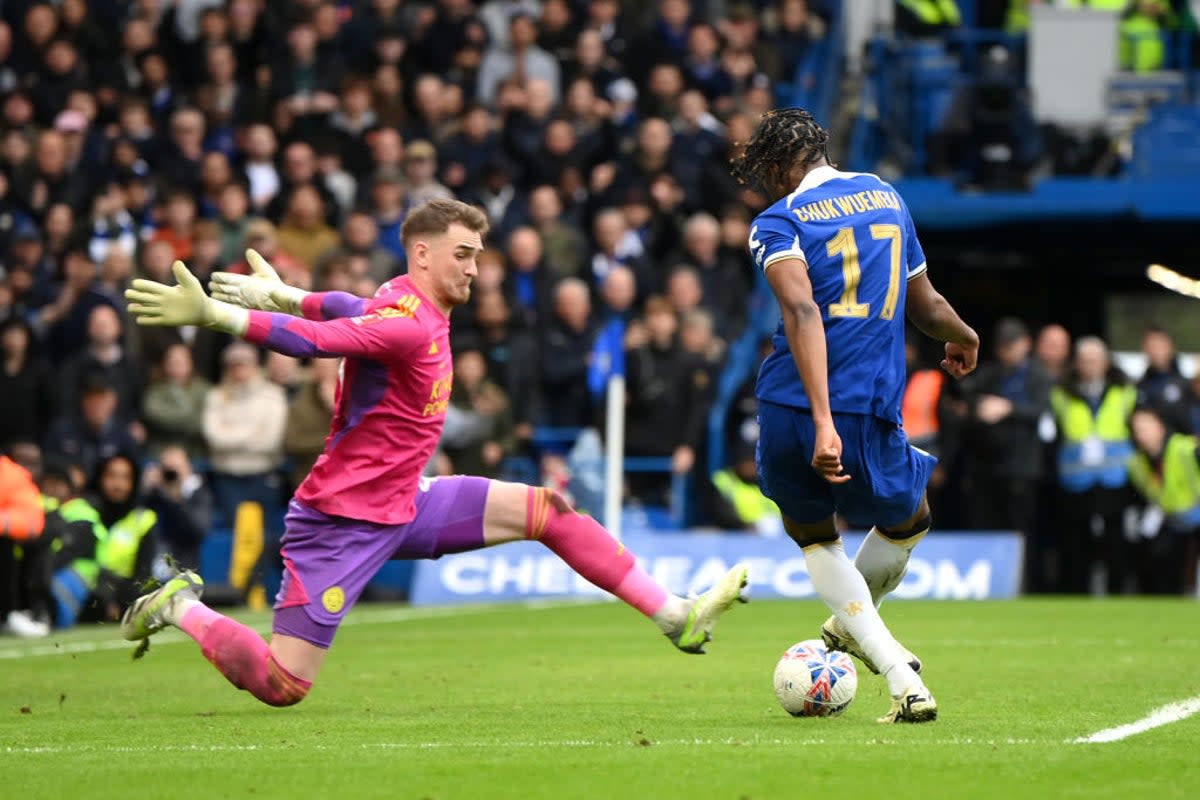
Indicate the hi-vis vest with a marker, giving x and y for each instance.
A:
(934, 12)
(116, 546)
(1177, 489)
(747, 499)
(1095, 448)
(919, 410)
(1141, 45)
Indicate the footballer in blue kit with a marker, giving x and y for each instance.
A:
(841, 254)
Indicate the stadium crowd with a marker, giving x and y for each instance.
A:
(594, 133)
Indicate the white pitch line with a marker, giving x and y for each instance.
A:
(53, 750)
(1165, 715)
(381, 617)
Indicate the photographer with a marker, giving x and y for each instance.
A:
(177, 494)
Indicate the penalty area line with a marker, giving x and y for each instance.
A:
(1164, 715)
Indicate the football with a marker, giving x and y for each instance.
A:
(813, 681)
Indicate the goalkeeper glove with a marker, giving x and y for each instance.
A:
(157, 305)
(262, 289)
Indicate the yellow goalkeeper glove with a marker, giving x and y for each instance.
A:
(157, 305)
(262, 289)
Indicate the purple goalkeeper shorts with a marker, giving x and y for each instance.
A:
(328, 560)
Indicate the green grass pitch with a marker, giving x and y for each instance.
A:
(588, 701)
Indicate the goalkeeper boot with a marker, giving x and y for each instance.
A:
(154, 611)
(836, 637)
(705, 610)
(914, 705)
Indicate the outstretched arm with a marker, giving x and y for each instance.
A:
(805, 331)
(935, 317)
(263, 290)
(378, 336)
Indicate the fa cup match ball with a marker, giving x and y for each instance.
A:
(813, 681)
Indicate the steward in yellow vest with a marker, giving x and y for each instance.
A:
(1094, 444)
(1165, 471)
(110, 543)
(1091, 408)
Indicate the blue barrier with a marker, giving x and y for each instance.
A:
(974, 566)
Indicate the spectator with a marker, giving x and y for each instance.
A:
(174, 404)
(310, 414)
(233, 206)
(113, 228)
(1053, 351)
(466, 152)
(114, 546)
(1162, 388)
(746, 506)
(104, 356)
(178, 496)
(47, 179)
(563, 246)
(285, 371)
(725, 287)
(511, 353)
(565, 348)
(305, 79)
(665, 409)
(1006, 400)
(23, 522)
(259, 166)
(617, 246)
(387, 207)
(179, 162)
(504, 203)
(521, 59)
(26, 393)
(478, 432)
(1091, 407)
(178, 217)
(528, 278)
(92, 431)
(420, 171)
(360, 238)
(300, 169)
(262, 236)
(244, 419)
(1163, 470)
(351, 123)
(618, 295)
(666, 40)
(303, 233)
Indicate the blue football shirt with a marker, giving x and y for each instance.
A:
(861, 247)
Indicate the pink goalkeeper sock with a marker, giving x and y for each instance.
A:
(591, 551)
(242, 656)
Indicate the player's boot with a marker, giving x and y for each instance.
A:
(836, 637)
(915, 705)
(147, 614)
(706, 609)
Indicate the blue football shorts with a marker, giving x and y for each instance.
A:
(887, 474)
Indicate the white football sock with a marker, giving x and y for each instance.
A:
(672, 616)
(845, 591)
(883, 562)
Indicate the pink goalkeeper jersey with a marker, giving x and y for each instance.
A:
(391, 401)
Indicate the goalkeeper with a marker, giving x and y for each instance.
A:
(365, 502)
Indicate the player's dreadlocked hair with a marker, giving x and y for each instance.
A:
(785, 137)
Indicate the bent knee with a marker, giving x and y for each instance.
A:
(911, 530)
